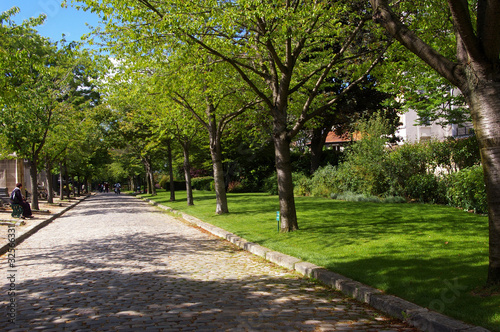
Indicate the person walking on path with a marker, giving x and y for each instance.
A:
(17, 197)
(118, 187)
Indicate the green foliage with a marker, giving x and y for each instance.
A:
(411, 170)
(402, 163)
(467, 190)
(363, 166)
(465, 152)
(301, 184)
(246, 161)
(164, 181)
(371, 169)
(424, 188)
(326, 180)
(202, 183)
(270, 185)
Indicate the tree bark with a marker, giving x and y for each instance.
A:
(318, 139)
(149, 179)
(220, 188)
(34, 185)
(288, 213)
(214, 134)
(152, 181)
(187, 174)
(485, 106)
(50, 183)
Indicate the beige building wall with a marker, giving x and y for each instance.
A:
(12, 171)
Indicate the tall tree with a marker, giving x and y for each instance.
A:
(215, 97)
(37, 79)
(474, 68)
(271, 45)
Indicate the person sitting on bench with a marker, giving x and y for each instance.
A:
(16, 197)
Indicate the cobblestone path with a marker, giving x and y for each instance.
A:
(116, 263)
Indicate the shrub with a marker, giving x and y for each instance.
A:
(363, 170)
(325, 181)
(466, 152)
(271, 184)
(467, 190)
(404, 162)
(301, 184)
(164, 181)
(202, 183)
(424, 188)
(165, 184)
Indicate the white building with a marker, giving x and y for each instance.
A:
(412, 133)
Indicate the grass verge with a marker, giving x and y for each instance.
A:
(434, 256)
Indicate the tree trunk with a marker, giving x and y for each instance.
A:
(50, 183)
(34, 184)
(78, 187)
(152, 179)
(148, 184)
(220, 188)
(171, 172)
(317, 143)
(131, 184)
(485, 106)
(187, 174)
(61, 182)
(285, 184)
(149, 177)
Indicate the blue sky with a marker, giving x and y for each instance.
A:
(68, 21)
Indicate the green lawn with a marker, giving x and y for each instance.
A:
(435, 256)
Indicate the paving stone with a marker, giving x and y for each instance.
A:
(116, 263)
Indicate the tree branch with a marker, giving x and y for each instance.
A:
(304, 117)
(236, 65)
(151, 7)
(325, 73)
(384, 16)
(185, 104)
(488, 28)
(463, 25)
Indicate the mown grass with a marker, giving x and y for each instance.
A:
(435, 256)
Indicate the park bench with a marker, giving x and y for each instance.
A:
(17, 210)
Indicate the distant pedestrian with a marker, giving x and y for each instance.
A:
(118, 187)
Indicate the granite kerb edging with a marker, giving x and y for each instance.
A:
(413, 314)
(32, 229)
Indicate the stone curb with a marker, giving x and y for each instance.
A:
(30, 230)
(414, 315)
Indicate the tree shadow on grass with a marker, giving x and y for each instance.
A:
(439, 284)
